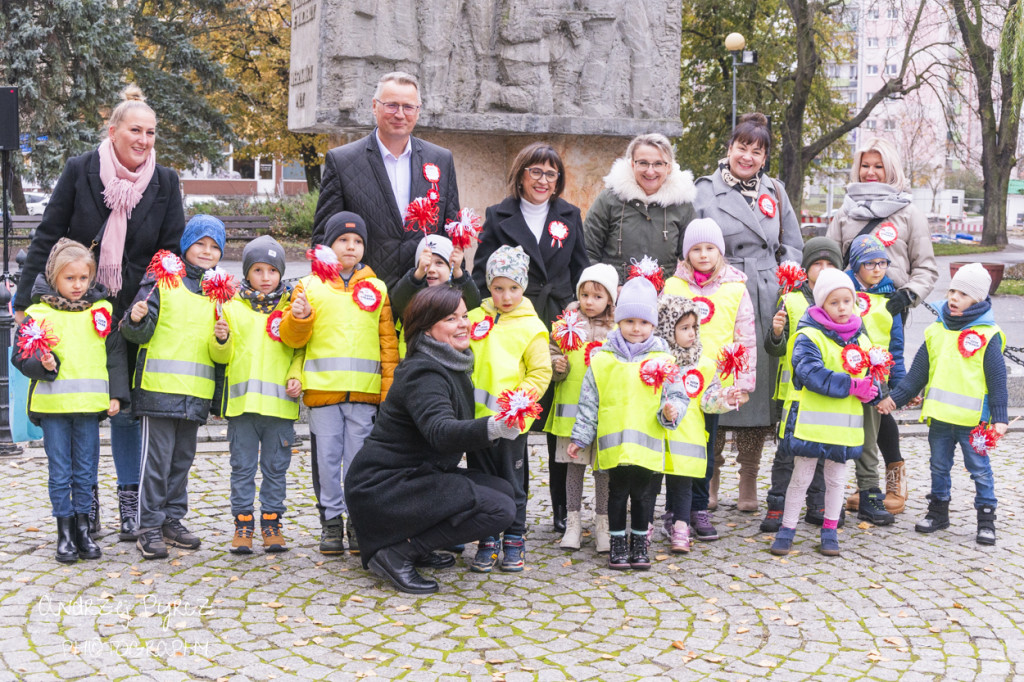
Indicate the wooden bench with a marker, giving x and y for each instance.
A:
(238, 227)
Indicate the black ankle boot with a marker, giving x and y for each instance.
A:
(937, 517)
(94, 511)
(986, 526)
(638, 560)
(390, 564)
(67, 550)
(618, 554)
(87, 549)
(560, 517)
(772, 520)
(128, 508)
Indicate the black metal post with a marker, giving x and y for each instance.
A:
(7, 445)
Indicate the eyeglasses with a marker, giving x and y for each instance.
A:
(644, 165)
(393, 107)
(538, 173)
(876, 265)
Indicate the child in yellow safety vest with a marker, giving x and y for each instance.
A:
(831, 377)
(820, 253)
(346, 327)
(595, 294)
(174, 323)
(631, 408)
(509, 344)
(963, 374)
(262, 384)
(869, 263)
(76, 382)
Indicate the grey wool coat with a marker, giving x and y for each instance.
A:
(756, 244)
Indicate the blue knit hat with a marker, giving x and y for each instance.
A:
(200, 226)
(866, 248)
(638, 299)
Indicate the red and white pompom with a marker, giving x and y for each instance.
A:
(559, 231)
(733, 359)
(102, 322)
(432, 173)
(219, 285)
(970, 342)
(166, 268)
(420, 214)
(274, 324)
(790, 275)
(464, 231)
(324, 262)
(517, 406)
(570, 331)
(881, 363)
(36, 336)
(655, 373)
(648, 268)
(367, 296)
(855, 359)
(589, 351)
(984, 439)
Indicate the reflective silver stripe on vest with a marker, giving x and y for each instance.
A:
(785, 376)
(955, 399)
(63, 386)
(687, 449)
(569, 411)
(180, 367)
(846, 421)
(631, 437)
(484, 398)
(267, 388)
(342, 365)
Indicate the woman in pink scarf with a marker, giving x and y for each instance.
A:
(118, 201)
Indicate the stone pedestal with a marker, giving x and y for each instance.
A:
(584, 76)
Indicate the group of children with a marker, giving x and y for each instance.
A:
(637, 402)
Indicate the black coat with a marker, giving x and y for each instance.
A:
(355, 180)
(405, 478)
(76, 211)
(554, 271)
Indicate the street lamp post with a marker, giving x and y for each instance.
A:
(735, 42)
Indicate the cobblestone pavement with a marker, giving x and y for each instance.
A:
(895, 606)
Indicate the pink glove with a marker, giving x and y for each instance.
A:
(863, 389)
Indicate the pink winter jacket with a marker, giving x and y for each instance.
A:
(743, 331)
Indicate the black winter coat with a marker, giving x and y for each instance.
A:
(355, 180)
(76, 211)
(405, 478)
(554, 272)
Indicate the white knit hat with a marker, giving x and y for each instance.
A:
(637, 300)
(972, 279)
(829, 280)
(602, 274)
(702, 231)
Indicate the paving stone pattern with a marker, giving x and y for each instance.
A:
(895, 606)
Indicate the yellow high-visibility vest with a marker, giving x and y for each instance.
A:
(821, 419)
(177, 357)
(718, 326)
(956, 385)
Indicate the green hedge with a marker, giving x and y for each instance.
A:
(290, 217)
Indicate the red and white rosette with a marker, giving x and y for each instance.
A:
(102, 322)
(693, 383)
(790, 275)
(421, 214)
(881, 362)
(517, 406)
(569, 330)
(970, 342)
(705, 309)
(648, 268)
(432, 173)
(466, 230)
(36, 336)
(656, 372)
(559, 232)
(324, 262)
(733, 359)
(480, 330)
(855, 359)
(984, 439)
(367, 296)
(863, 303)
(433, 196)
(589, 351)
(767, 205)
(887, 233)
(274, 325)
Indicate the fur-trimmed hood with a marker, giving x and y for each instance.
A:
(678, 187)
(670, 310)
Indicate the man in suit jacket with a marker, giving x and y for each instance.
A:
(377, 176)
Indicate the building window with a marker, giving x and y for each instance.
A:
(246, 168)
(872, 69)
(832, 71)
(891, 70)
(891, 41)
(294, 171)
(868, 95)
(891, 13)
(851, 97)
(890, 124)
(870, 124)
(853, 71)
(873, 13)
(872, 42)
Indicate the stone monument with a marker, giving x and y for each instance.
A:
(583, 75)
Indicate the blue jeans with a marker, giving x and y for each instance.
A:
(126, 447)
(72, 445)
(266, 442)
(942, 438)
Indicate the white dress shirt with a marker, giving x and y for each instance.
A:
(399, 173)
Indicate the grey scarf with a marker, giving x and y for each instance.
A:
(871, 200)
(455, 360)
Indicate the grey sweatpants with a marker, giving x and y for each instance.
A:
(339, 431)
(168, 448)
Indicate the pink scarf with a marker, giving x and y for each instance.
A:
(122, 191)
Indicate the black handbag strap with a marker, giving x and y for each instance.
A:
(871, 225)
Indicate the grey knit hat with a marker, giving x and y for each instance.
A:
(263, 249)
(638, 299)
